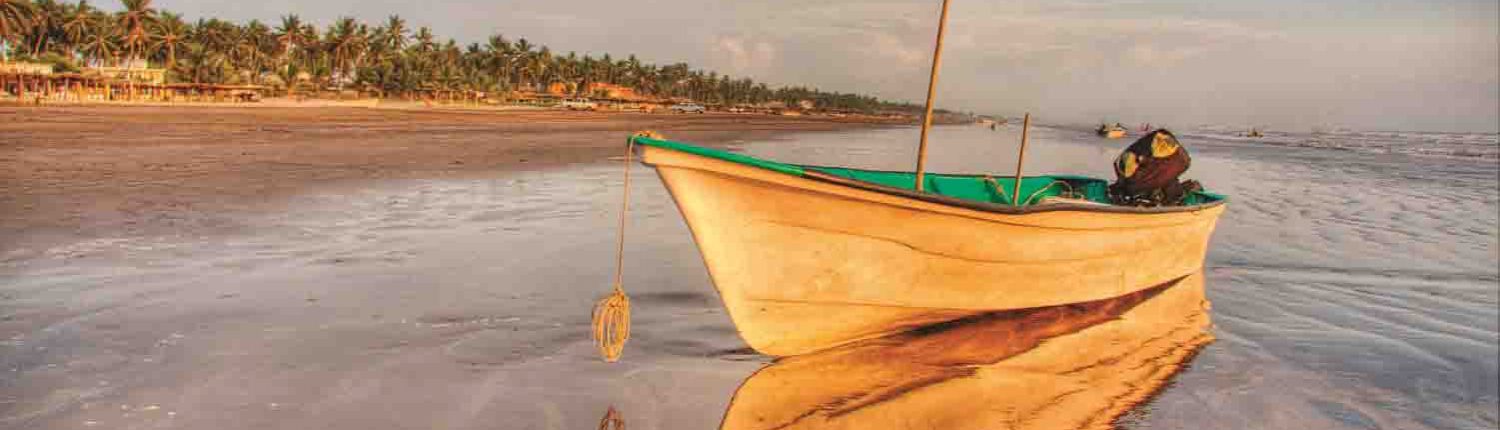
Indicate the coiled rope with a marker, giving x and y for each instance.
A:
(611, 320)
(1069, 193)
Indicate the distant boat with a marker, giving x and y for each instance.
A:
(1110, 131)
(992, 122)
(1254, 133)
(809, 257)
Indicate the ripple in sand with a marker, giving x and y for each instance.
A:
(513, 343)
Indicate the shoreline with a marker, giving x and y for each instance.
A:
(71, 173)
(421, 105)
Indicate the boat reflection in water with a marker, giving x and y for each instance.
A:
(1064, 367)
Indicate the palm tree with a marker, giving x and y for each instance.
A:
(345, 41)
(288, 76)
(77, 22)
(631, 67)
(15, 20)
(607, 69)
(133, 23)
(566, 70)
(318, 65)
(497, 58)
(540, 68)
(250, 48)
(99, 43)
(169, 34)
(44, 22)
(291, 38)
(646, 81)
(521, 62)
(393, 35)
(424, 40)
(311, 48)
(203, 63)
(448, 76)
(289, 34)
(214, 35)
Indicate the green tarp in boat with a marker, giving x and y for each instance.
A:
(981, 188)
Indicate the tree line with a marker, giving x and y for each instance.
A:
(389, 59)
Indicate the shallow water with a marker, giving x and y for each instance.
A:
(1482, 146)
(1349, 290)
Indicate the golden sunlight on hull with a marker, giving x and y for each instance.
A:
(804, 265)
(1078, 366)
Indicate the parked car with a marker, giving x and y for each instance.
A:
(580, 104)
(688, 108)
(637, 107)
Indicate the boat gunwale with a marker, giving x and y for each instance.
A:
(997, 207)
(808, 172)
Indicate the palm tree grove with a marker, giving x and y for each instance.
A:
(387, 60)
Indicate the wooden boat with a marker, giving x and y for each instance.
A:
(1079, 366)
(808, 257)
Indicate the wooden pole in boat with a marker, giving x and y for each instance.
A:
(937, 60)
(1015, 195)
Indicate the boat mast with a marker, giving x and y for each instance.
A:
(937, 60)
(1015, 196)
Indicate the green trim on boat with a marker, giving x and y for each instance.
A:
(789, 169)
(990, 189)
(980, 188)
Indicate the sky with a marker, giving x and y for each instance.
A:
(1412, 65)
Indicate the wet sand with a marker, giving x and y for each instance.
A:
(223, 268)
(1349, 291)
(70, 172)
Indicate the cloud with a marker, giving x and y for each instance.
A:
(888, 47)
(743, 56)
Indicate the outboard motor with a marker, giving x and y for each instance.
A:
(1146, 174)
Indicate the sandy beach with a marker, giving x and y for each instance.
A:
(366, 268)
(99, 188)
(70, 172)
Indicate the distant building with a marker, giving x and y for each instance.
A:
(148, 76)
(532, 97)
(137, 70)
(21, 68)
(612, 91)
